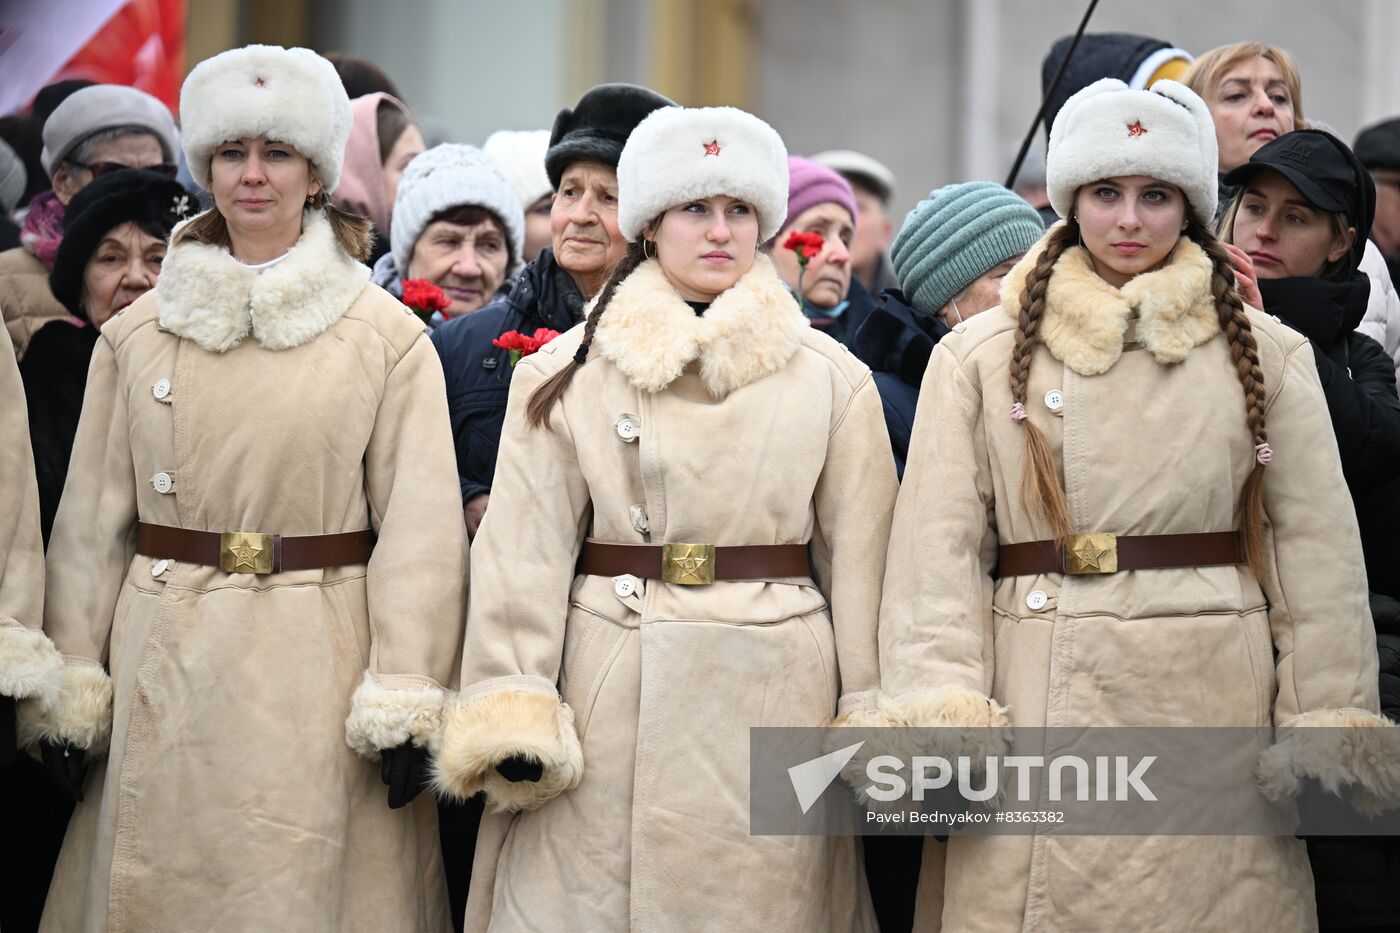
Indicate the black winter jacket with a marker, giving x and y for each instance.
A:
(1357, 376)
(478, 374)
(54, 370)
(895, 342)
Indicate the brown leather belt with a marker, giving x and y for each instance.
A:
(1097, 553)
(253, 552)
(691, 564)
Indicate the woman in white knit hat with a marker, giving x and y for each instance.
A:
(1081, 539)
(457, 224)
(257, 567)
(699, 485)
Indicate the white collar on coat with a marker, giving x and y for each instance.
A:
(206, 295)
(651, 334)
(1085, 318)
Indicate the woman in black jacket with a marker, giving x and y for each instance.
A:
(1302, 213)
(114, 237)
(1301, 216)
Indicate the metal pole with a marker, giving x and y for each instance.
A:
(1049, 92)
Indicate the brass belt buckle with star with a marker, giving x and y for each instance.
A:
(688, 564)
(1092, 553)
(245, 552)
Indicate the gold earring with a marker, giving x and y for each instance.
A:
(645, 244)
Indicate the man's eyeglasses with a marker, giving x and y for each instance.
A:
(98, 169)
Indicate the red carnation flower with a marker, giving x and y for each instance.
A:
(519, 345)
(424, 298)
(805, 245)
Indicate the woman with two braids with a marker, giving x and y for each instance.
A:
(1123, 506)
(699, 487)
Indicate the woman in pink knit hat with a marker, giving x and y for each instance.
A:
(820, 201)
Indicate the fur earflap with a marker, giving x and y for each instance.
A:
(30, 666)
(79, 712)
(651, 335)
(483, 731)
(1339, 748)
(207, 296)
(682, 154)
(291, 96)
(386, 711)
(1085, 318)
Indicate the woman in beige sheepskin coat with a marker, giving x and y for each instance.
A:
(29, 665)
(634, 697)
(1160, 398)
(243, 714)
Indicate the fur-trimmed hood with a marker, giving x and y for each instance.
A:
(1085, 318)
(651, 334)
(206, 295)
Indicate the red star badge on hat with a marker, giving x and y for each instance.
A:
(712, 147)
(261, 83)
(1136, 128)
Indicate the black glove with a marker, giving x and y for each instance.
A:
(405, 770)
(7, 730)
(519, 768)
(66, 764)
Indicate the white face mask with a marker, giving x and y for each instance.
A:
(954, 303)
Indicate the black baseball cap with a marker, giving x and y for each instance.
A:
(1323, 169)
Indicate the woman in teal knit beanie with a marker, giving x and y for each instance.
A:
(950, 257)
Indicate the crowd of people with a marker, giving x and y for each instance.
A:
(314, 616)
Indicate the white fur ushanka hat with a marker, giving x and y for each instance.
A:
(1107, 131)
(682, 154)
(292, 96)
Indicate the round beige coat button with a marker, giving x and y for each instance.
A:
(160, 567)
(1037, 600)
(163, 482)
(628, 428)
(624, 586)
(161, 389)
(1055, 400)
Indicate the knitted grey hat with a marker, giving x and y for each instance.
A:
(12, 179)
(953, 237)
(446, 176)
(105, 107)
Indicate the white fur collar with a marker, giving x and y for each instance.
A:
(651, 335)
(207, 296)
(1085, 318)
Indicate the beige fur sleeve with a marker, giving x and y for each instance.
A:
(854, 500)
(28, 663)
(936, 614)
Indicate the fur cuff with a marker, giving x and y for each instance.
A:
(950, 707)
(30, 666)
(869, 709)
(486, 730)
(387, 711)
(1337, 747)
(79, 713)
